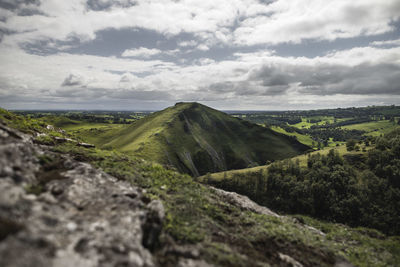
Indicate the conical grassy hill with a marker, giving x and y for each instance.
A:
(197, 139)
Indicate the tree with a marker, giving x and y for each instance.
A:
(350, 144)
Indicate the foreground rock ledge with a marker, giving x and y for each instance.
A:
(83, 216)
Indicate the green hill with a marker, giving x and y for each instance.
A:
(197, 139)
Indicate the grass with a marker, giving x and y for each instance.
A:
(60, 121)
(95, 133)
(225, 234)
(229, 236)
(307, 125)
(197, 139)
(341, 149)
(367, 247)
(305, 139)
(373, 128)
(90, 125)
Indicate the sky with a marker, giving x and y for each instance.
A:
(228, 54)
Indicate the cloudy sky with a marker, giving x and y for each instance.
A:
(229, 54)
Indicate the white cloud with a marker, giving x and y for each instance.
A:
(190, 43)
(141, 52)
(293, 21)
(257, 23)
(144, 52)
(384, 43)
(202, 47)
(248, 78)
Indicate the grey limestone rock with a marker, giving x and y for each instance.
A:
(80, 217)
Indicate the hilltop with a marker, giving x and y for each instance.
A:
(197, 139)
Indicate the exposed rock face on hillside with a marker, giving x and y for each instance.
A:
(79, 216)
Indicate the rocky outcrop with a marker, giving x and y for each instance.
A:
(55, 211)
(243, 202)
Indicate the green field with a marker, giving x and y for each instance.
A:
(374, 128)
(306, 124)
(305, 139)
(95, 133)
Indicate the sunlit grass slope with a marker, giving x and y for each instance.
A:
(305, 139)
(374, 128)
(197, 139)
(301, 158)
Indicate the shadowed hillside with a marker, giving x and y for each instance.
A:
(197, 139)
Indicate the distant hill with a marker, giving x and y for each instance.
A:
(197, 139)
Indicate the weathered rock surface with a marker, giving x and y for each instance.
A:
(78, 216)
(243, 202)
(246, 203)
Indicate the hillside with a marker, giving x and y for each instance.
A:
(358, 188)
(57, 208)
(197, 139)
(302, 159)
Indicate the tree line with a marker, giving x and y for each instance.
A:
(358, 189)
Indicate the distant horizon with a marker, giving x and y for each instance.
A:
(224, 110)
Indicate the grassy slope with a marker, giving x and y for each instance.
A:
(225, 234)
(373, 128)
(212, 140)
(305, 139)
(91, 132)
(229, 236)
(61, 121)
(302, 160)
